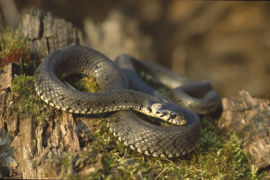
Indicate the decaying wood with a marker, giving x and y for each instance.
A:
(42, 141)
(45, 32)
(7, 161)
(33, 141)
(38, 142)
(7, 74)
(249, 118)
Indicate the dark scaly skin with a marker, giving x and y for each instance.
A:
(77, 59)
(133, 131)
(195, 96)
(155, 140)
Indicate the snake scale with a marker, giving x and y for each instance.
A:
(116, 80)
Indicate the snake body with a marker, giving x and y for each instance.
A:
(117, 97)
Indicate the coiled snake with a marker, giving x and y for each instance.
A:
(117, 97)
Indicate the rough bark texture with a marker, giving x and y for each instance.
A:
(33, 138)
(7, 74)
(37, 141)
(45, 32)
(250, 118)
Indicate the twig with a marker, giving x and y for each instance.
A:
(165, 169)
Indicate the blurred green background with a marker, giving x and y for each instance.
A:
(225, 42)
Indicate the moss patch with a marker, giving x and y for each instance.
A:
(87, 84)
(28, 102)
(12, 47)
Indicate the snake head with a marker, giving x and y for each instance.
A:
(168, 112)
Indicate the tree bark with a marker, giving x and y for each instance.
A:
(249, 117)
(45, 32)
(32, 139)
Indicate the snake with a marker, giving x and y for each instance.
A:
(125, 97)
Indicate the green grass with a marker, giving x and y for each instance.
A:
(219, 156)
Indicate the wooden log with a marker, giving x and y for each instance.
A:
(45, 32)
(34, 141)
(249, 117)
(6, 75)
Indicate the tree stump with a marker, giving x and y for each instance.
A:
(34, 138)
(249, 118)
(36, 141)
(45, 32)
(7, 74)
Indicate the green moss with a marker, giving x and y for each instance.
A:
(12, 47)
(24, 86)
(87, 84)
